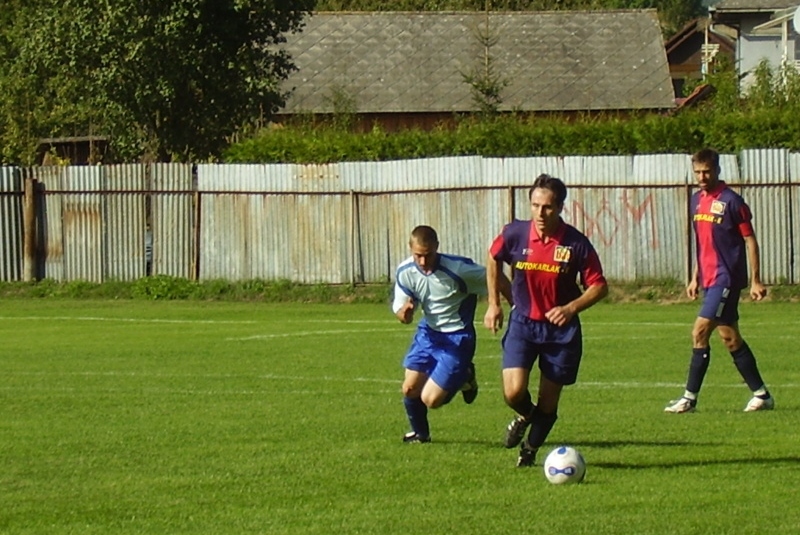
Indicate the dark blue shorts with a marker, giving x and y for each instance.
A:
(444, 357)
(721, 305)
(559, 349)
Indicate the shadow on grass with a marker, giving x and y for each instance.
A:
(698, 462)
(646, 443)
(609, 444)
(496, 444)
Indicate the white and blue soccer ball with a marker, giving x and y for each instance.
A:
(564, 464)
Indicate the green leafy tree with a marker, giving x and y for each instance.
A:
(673, 14)
(724, 80)
(165, 79)
(486, 85)
(774, 88)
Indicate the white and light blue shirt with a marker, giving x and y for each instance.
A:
(447, 295)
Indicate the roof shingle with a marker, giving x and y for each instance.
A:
(415, 62)
(754, 5)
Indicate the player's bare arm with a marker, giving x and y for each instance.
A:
(693, 288)
(406, 312)
(493, 319)
(504, 287)
(757, 289)
(561, 315)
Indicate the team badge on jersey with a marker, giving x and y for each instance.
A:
(718, 208)
(527, 251)
(562, 253)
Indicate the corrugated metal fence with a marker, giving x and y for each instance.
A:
(349, 222)
(11, 194)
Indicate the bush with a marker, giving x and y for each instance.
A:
(516, 137)
(726, 121)
(284, 291)
(162, 287)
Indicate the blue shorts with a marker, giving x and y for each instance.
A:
(721, 305)
(444, 357)
(559, 349)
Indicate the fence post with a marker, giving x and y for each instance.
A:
(29, 231)
(511, 204)
(195, 268)
(353, 234)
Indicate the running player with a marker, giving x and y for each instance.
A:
(439, 362)
(547, 257)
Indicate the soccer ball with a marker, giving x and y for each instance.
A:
(564, 465)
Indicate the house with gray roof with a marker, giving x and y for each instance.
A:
(412, 68)
(764, 31)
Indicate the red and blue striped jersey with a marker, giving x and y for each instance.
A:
(721, 220)
(545, 275)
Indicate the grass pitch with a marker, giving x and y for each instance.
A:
(177, 417)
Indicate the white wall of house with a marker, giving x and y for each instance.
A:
(752, 48)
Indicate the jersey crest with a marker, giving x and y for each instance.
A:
(562, 253)
(718, 208)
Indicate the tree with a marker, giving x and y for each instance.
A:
(673, 14)
(486, 85)
(165, 79)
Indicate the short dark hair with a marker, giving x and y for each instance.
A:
(424, 235)
(709, 156)
(552, 183)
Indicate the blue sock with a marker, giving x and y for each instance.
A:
(698, 367)
(745, 362)
(525, 406)
(417, 416)
(541, 424)
(450, 395)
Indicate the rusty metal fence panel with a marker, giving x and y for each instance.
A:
(792, 219)
(51, 239)
(82, 220)
(171, 224)
(656, 218)
(11, 199)
(124, 222)
(73, 237)
(92, 221)
(765, 187)
(265, 225)
(633, 209)
(350, 222)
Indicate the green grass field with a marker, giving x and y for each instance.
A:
(122, 417)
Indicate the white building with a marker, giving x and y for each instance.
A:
(764, 29)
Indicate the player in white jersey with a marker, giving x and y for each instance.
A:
(439, 362)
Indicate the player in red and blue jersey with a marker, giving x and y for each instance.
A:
(725, 242)
(547, 257)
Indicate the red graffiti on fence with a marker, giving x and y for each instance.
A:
(614, 219)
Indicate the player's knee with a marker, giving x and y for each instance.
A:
(513, 396)
(700, 335)
(411, 390)
(732, 343)
(432, 401)
(730, 338)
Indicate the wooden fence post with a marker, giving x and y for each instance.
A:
(29, 231)
(195, 268)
